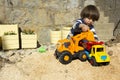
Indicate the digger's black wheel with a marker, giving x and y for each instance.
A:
(65, 57)
(82, 56)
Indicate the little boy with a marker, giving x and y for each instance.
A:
(88, 15)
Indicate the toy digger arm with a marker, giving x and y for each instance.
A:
(79, 36)
(84, 35)
(88, 35)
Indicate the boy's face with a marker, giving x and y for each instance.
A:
(88, 21)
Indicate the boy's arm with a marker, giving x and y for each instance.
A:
(72, 30)
(84, 27)
(95, 35)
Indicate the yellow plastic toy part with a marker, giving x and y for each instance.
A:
(84, 35)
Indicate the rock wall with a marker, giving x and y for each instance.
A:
(42, 15)
(111, 8)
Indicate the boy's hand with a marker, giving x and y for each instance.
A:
(84, 27)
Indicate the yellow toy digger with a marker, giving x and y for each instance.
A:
(70, 49)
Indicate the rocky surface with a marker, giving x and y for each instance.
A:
(29, 64)
(113, 41)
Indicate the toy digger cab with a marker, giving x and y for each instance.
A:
(67, 50)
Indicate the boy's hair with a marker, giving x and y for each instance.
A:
(91, 12)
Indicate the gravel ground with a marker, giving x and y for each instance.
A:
(30, 64)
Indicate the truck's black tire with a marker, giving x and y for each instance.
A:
(82, 56)
(93, 61)
(106, 63)
(65, 57)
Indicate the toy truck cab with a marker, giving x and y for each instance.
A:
(98, 55)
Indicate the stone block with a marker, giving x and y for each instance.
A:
(41, 17)
(64, 18)
(1, 2)
(2, 14)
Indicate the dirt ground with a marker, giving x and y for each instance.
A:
(44, 66)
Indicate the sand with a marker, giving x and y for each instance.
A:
(44, 66)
